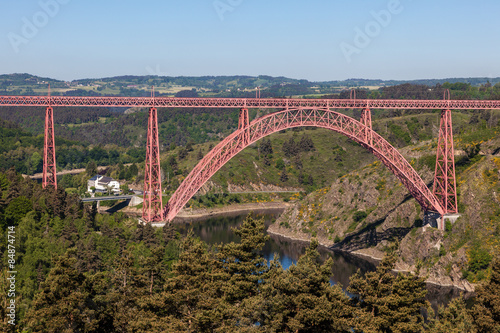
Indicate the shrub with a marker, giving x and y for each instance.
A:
(360, 215)
(479, 258)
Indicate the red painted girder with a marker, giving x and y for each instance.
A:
(280, 103)
(445, 188)
(278, 121)
(49, 151)
(152, 209)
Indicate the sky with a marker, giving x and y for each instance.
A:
(317, 40)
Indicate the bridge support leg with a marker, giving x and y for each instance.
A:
(152, 210)
(243, 123)
(366, 119)
(49, 151)
(445, 188)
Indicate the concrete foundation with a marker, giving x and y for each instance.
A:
(434, 219)
(135, 201)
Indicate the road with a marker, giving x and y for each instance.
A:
(66, 172)
(111, 197)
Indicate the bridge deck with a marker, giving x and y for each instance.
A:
(273, 103)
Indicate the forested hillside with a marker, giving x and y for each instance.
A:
(84, 271)
(78, 270)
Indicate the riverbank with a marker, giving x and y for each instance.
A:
(189, 214)
(192, 215)
(451, 280)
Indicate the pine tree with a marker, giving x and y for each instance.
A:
(453, 318)
(301, 298)
(283, 176)
(243, 270)
(242, 262)
(486, 311)
(63, 304)
(266, 148)
(91, 169)
(386, 302)
(127, 286)
(306, 144)
(191, 297)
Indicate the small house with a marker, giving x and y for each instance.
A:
(103, 184)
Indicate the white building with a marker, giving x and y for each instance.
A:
(102, 184)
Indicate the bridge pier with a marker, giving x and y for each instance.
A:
(444, 187)
(152, 209)
(366, 119)
(49, 151)
(243, 123)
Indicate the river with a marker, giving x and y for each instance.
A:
(217, 230)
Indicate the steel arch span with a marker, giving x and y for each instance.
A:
(248, 133)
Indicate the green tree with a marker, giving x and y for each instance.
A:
(280, 164)
(242, 263)
(486, 311)
(17, 209)
(301, 299)
(283, 176)
(386, 302)
(243, 270)
(34, 164)
(453, 318)
(190, 298)
(91, 169)
(62, 304)
(127, 286)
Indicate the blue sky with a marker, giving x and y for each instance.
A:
(318, 40)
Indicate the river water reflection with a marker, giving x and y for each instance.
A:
(217, 230)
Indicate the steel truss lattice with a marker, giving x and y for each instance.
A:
(360, 132)
(445, 187)
(49, 151)
(262, 103)
(152, 207)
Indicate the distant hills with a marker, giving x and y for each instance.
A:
(190, 86)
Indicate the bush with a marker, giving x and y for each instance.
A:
(360, 215)
(479, 258)
(447, 225)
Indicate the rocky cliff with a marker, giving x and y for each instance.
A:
(366, 210)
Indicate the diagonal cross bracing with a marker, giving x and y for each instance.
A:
(290, 118)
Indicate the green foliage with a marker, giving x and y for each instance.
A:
(386, 302)
(453, 319)
(399, 136)
(63, 303)
(486, 310)
(447, 226)
(359, 215)
(301, 299)
(16, 210)
(479, 258)
(91, 169)
(280, 164)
